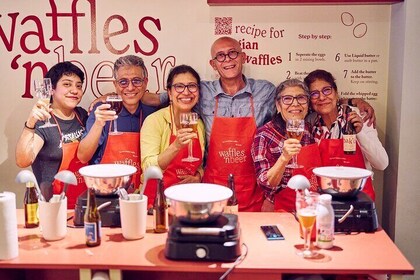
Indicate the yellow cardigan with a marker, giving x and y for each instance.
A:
(155, 135)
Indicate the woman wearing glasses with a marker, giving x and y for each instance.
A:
(329, 124)
(99, 144)
(164, 141)
(272, 149)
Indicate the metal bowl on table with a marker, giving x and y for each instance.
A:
(341, 181)
(106, 179)
(198, 202)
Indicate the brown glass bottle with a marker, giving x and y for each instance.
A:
(30, 202)
(349, 138)
(92, 221)
(160, 210)
(232, 204)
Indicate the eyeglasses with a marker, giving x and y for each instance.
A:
(221, 57)
(288, 99)
(325, 91)
(136, 82)
(181, 87)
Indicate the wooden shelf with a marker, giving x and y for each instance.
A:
(298, 2)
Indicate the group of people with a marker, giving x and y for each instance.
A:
(241, 129)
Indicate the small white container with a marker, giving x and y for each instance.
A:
(53, 218)
(133, 214)
(325, 222)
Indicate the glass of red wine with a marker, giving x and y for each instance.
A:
(115, 101)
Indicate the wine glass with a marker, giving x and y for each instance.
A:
(306, 203)
(115, 101)
(189, 120)
(43, 90)
(295, 129)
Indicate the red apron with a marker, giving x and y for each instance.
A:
(177, 167)
(124, 149)
(310, 158)
(230, 152)
(70, 162)
(332, 154)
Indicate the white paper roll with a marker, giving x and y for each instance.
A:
(9, 247)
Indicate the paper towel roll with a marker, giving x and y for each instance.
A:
(9, 247)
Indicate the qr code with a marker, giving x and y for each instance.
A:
(223, 26)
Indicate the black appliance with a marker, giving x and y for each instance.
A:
(362, 219)
(215, 241)
(110, 215)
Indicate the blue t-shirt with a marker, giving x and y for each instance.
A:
(126, 122)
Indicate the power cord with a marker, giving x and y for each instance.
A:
(238, 261)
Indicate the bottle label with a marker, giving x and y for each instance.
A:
(92, 232)
(31, 213)
(325, 233)
(349, 142)
(160, 219)
(232, 209)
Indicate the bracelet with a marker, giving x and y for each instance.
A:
(28, 127)
(350, 102)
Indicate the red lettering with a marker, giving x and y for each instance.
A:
(148, 35)
(161, 67)
(74, 15)
(9, 43)
(93, 48)
(108, 35)
(39, 33)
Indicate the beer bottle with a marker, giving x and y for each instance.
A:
(92, 221)
(160, 210)
(349, 138)
(232, 204)
(30, 202)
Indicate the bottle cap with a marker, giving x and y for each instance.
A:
(325, 198)
(30, 184)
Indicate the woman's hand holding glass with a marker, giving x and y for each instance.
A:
(295, 129)
(190, 121)
(43, 90)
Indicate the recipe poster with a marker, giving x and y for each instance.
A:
(281, 42)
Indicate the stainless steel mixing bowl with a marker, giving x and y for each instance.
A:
(106, 179)
(341, 181)
(197, 203)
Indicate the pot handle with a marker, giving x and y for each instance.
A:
(202, 231)
(342, 219)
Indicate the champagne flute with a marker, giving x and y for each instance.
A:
(295, 129)
(189, 120)
(43, 90)
(306, 203)
(115, 101)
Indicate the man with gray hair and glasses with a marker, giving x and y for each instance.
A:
(103, 142)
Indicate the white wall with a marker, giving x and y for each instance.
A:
(402, 195)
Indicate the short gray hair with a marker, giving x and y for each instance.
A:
(129, 60)
(291, 83)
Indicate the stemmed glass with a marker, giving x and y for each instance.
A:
(306, 203)
(189, 120)
(115, 101)
(43, 90)
(295, 129)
